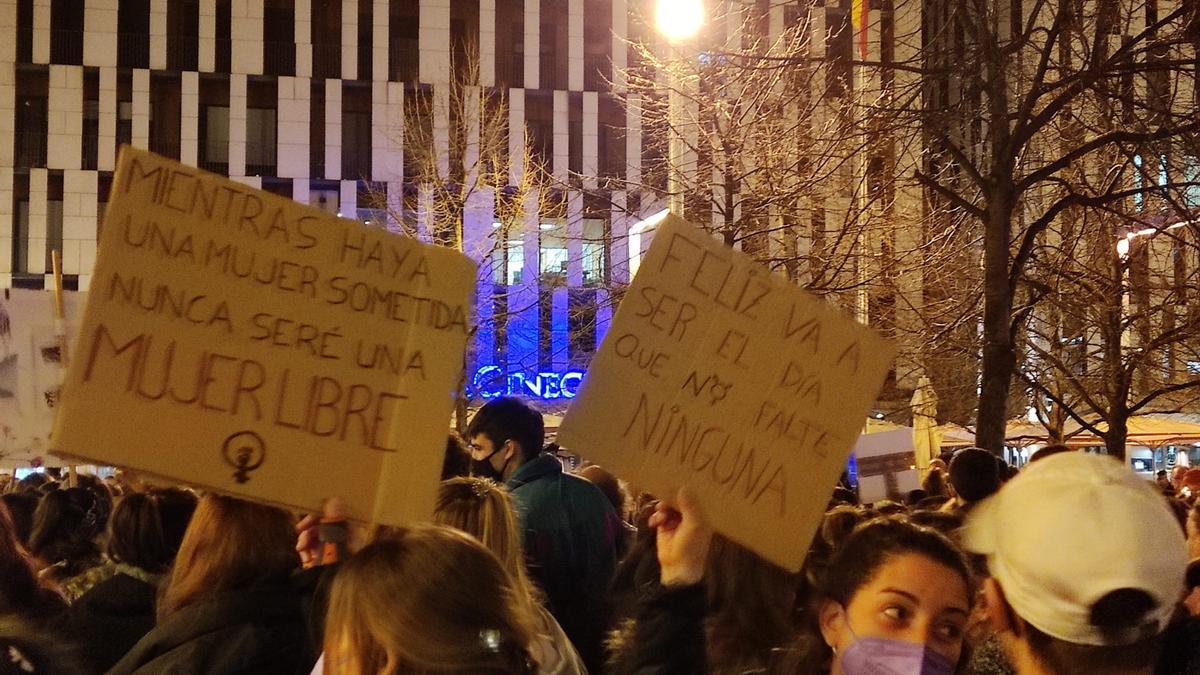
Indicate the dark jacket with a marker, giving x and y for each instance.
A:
(666, 635)
(570, 534)
(38, 606)
(1181, 648)
(252, 631)
(107, 621)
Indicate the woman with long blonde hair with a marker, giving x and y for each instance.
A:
(227, 605)
(483, 509)
(426, 600)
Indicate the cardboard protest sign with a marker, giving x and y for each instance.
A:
(240, 341)
(721, 376)
(30, 371)
(887, 465)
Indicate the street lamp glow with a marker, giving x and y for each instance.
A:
(679, 19)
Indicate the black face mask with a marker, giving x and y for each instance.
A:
(483, 468)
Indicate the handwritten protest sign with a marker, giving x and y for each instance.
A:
(887, 465)
(241, 341)
(30, 371)
(718, 375)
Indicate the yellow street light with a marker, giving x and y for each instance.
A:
(679, 19)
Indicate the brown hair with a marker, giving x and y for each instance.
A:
(229, 544)
(853, 564)
(750, 603)
(20, 587)
(934, 484)
(427, 600)
(482, 508)
(135, 534)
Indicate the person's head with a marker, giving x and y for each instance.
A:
(1191, 481)
(895, 588)
(1163, 479)
(102, 497)
(608, 484)
(1087, 566)
(1177, 475)
(502, 436)
(837, 525)
(33, 482)
(482, 508)
(887, 507)
(946, 522)
(1049, 451)
(843, 495)
(1180, 509)
(21, 506)
(135, 534)
(114, 487)
(456, 461)
(18, 575)
(938, 464)
(230, 544)
(1193, 532)
(934, 483)
(932, 503)
(64, 528)
(974, 474)
(425, 600)
(175, 509)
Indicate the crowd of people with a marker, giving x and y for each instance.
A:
(1072, 565)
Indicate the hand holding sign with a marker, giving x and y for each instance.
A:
(718, 375)
(683, 537)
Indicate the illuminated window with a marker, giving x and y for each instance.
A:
(594, 251)
(509, 264)
(553, 253)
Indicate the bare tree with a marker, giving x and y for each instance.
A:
(787, 155)
(464, 161)
(469, 160)
(770, 152)
(1031, 112)
(1117, 330)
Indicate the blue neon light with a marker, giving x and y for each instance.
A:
(491, 382)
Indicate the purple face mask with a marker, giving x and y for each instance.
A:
(881, 656)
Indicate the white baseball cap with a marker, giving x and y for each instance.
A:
(1069, 530)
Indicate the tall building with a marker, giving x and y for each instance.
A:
(307, 99)
(314, 100)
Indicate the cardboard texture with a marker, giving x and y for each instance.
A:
(718, 375)
(237, 340)
(886, 465)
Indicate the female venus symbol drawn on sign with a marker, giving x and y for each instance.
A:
(245, 451)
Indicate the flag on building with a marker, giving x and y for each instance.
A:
(859, 13)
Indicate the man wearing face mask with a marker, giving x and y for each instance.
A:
(569, 527)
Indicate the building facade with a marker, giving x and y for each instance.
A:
(308, 98)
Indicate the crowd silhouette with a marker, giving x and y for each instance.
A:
(1072, 565)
